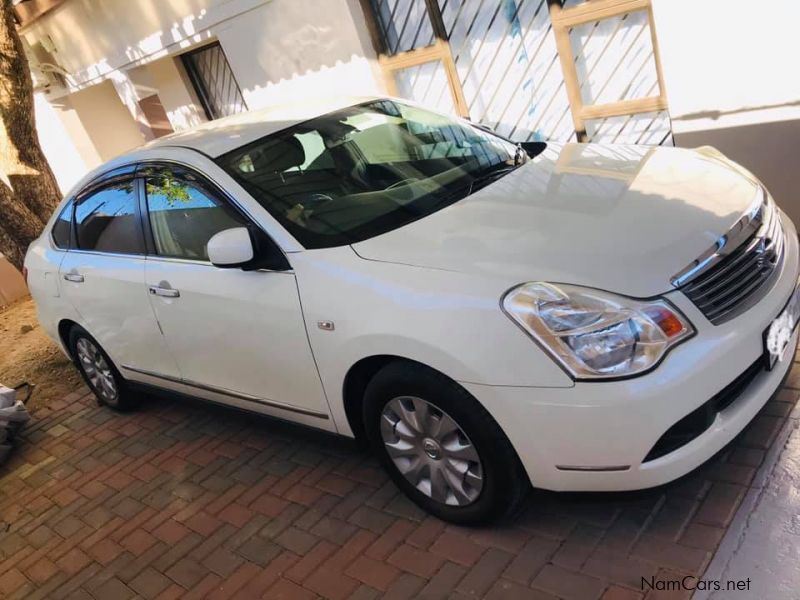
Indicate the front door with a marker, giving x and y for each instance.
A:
(103, 277)
(232, 332)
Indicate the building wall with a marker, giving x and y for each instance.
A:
(285, 50)
(183, 109)
(108, 124)
(117, 53)
(732, 84)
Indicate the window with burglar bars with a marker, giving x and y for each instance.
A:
(213, 81)
(530, 69)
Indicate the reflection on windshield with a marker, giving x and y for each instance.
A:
(359, 172)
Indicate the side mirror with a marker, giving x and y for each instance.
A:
(231, 249)
(533, 149)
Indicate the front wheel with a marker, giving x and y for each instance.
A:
(97, 370)
(440, 446)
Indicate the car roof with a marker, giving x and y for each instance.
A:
(217, 137)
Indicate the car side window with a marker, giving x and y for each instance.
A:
(185, 213)
(62, 228)
(106, 220)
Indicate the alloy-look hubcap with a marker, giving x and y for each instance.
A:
(97, 370)
(431, 451)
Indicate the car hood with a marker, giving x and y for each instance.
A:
(619, 218)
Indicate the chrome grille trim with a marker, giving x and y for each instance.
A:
(725, 280)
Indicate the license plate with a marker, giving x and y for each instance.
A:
(780, 331)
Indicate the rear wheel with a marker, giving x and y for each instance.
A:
(97, 370)
(440, 446)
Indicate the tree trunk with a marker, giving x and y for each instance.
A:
(27, 204)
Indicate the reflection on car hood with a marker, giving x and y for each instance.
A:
(619, 218)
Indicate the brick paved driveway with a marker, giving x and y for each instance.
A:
(182, 499)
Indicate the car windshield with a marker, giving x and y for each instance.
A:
(358, 172)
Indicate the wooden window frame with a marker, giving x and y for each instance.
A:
(439, 51)
(563, 20)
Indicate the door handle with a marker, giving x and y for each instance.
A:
(74, 277)
(164, 292)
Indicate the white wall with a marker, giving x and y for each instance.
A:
(731, 82)
(279, 50)
(729, 62)
(65, 157)
(174, 91)
(291, 49)
(267, 41)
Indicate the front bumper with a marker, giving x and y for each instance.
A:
(613, 425)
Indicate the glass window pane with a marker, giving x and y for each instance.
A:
(62, 227)
(107, 222)
(427, 84)
(379, 166)
(404, 24)
(184, 215)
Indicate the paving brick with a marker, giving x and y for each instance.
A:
(376, 574)
(319, 554)
(333, 484)
(236, 515)
(11, 581)
(720, 504)
(296, 540)
(415, 561)
(171, 532)
(568, 585)
(269, 505)
(234, 582)
(73, 561)
(663, 552)
(457, 548)
(259, 551)
(186, 501)
(619, 593)
(186, 572)
(485, 572)
(104, 551)
(266, 577)
(288, 590)
(508, 590)
(369, 518)
(384, 545)
(705, 537)
(150, 583)
(405, 587)
(444, 582)
(222, 562)
(138, 542)
(114, 588)
(530, 560)
(619, 569)
(203, 523)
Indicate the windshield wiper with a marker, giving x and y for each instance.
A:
(480, 181)
(487, 177)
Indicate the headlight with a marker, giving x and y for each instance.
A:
(594, 334)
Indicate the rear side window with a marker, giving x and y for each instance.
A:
(106, 220)
(62, 229)
(184, 214)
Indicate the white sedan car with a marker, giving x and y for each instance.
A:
(485, 314)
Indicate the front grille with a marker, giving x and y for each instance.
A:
(737, 277)
(699, 420)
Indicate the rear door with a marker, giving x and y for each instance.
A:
(103, 275)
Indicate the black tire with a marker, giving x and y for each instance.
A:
(504, 482)
(121, 400)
